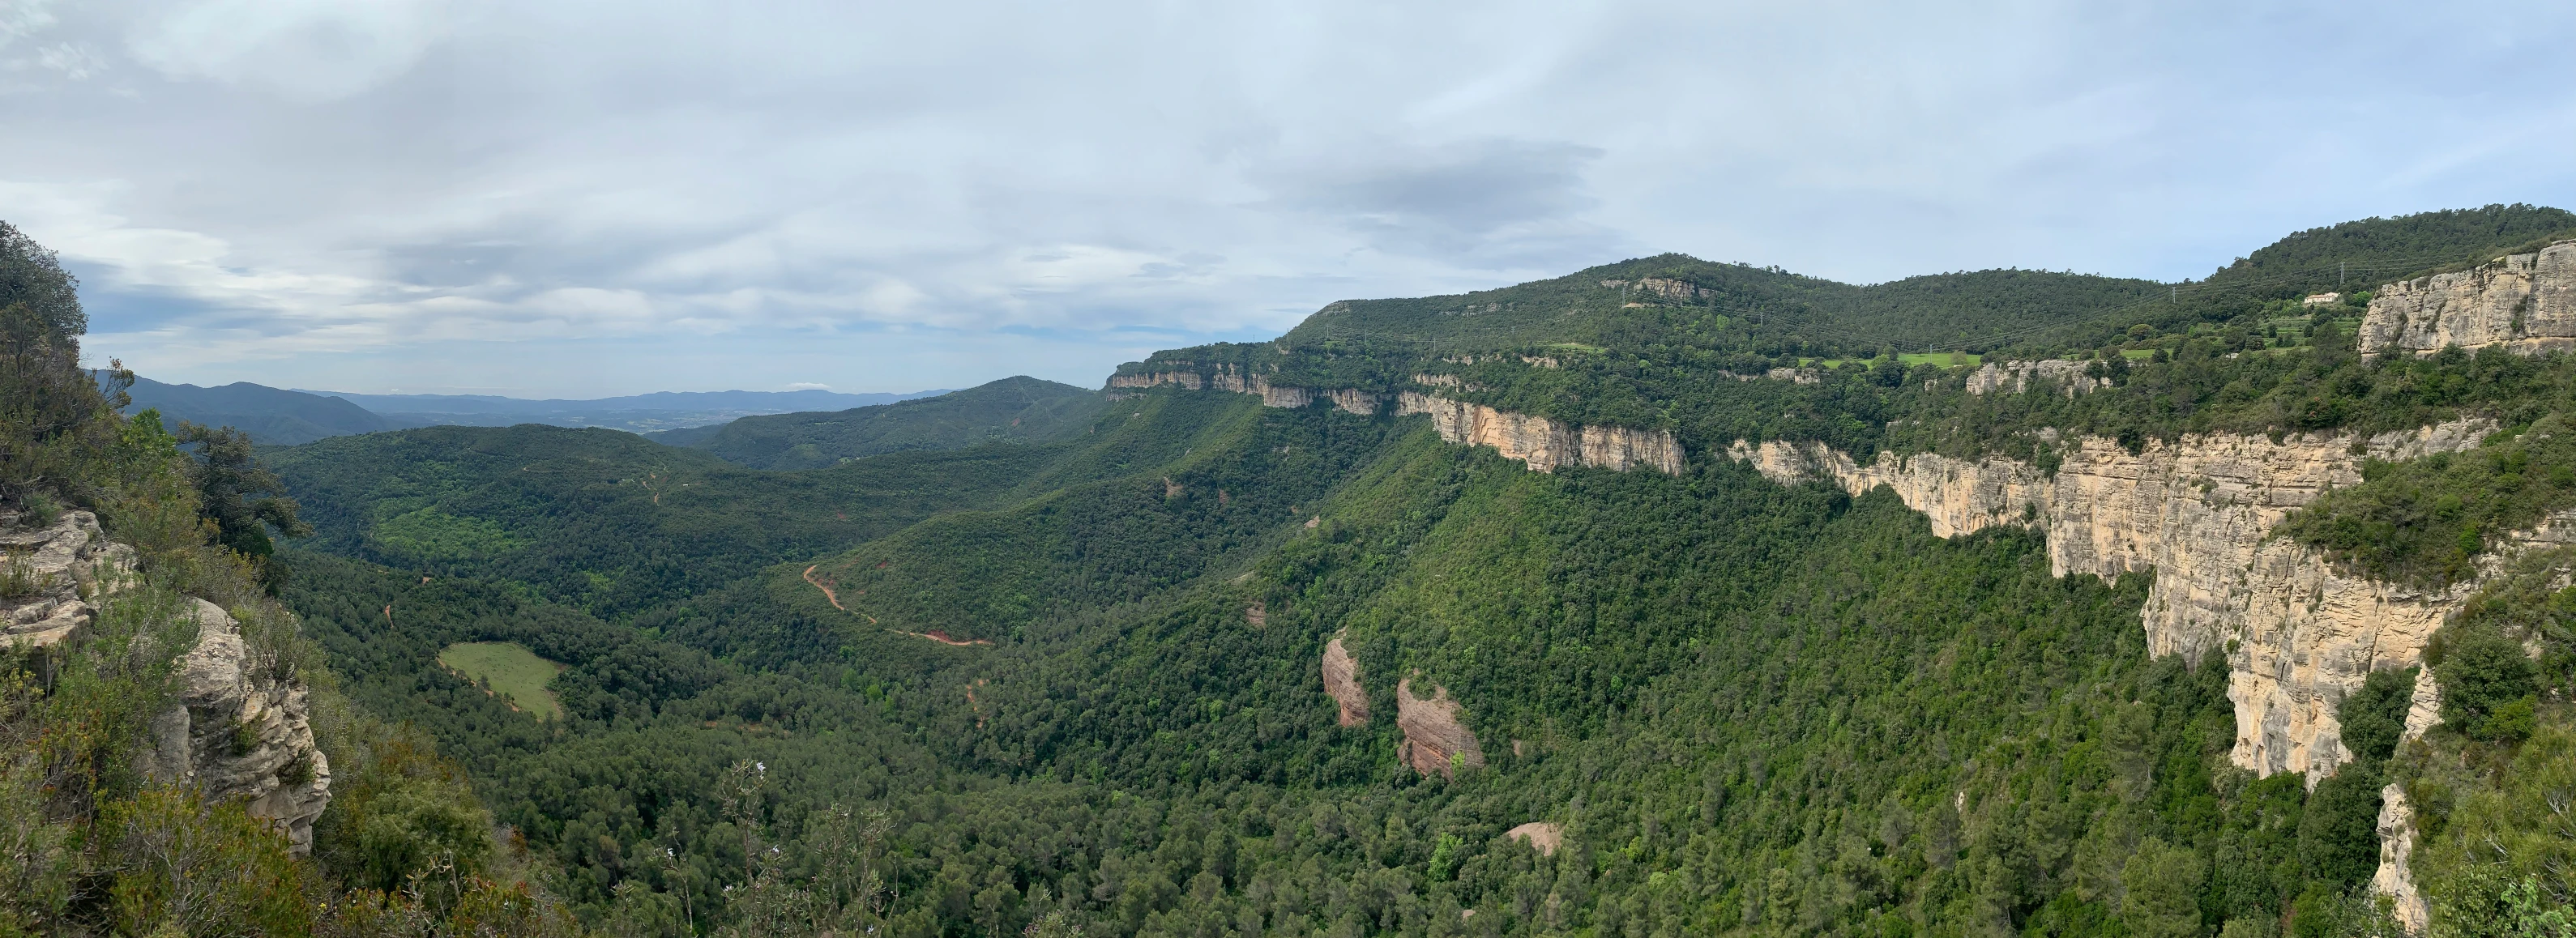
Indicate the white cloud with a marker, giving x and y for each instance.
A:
(287, 186)
(301, 50)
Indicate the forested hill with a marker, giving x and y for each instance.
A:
(1680, 312)
(1016, 409)
(1184, 663)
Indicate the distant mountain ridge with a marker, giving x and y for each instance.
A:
(767, 402)
(279, 416)
(269, 415)
(1014, 409)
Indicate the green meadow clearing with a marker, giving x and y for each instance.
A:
(511, 670)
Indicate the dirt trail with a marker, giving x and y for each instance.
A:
(835, 598)
(940, 637)
(827, 591)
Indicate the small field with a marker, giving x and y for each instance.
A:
(514, 673)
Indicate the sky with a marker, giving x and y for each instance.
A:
(573, 199)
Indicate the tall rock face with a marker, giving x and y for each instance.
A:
(2197, 513)
(1543, 443)
(241, 731)
(1342, 683)
(1435, 739)
(2525, 303)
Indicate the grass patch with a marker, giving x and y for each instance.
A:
(513, 673)
(1941, 359)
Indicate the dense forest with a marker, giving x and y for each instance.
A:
(955, 679)
(1020, 409)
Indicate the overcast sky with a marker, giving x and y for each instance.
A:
(543, 198)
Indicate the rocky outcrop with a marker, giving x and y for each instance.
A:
(1342, 683)
(241, 731)
(1665, 287)
(1187, 379)
(48, 578)
(1545, 836)
(238, 730)
(1356, 401)
(2395, 878)
(2525, 303)
(1435, 740)
(1543, 443)
(2071, 378)
(2198, 513)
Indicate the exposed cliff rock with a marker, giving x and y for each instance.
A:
(48, 577)
(2198, 513)
(2394, 878)
(1434, 738)
(1545, 836)
(1543, 443)
(242, 731)
(1665, 287)
(2525, 303)
(1342, 682)
(238, 731)
(2072, 378)
(1187, 379)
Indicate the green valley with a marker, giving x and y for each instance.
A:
(2006, 602)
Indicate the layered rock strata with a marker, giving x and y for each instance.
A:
(1435, 738)
(1342, 683)
(1543, 443)
(241, 731)
(49, 575)
(238, 730)
(2198, 513)
(2525, 303)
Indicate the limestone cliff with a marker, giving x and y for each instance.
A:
(1543, 443)
(1434, 738)
(242, 731)
(1342, 683)
(2198, 513)
(2071, 377)
(2525, 303)
(237, 730)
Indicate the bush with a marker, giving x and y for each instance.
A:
(2482, 670)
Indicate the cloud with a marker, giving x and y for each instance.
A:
(301, 50)
(1471, 200)
(398, 190)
